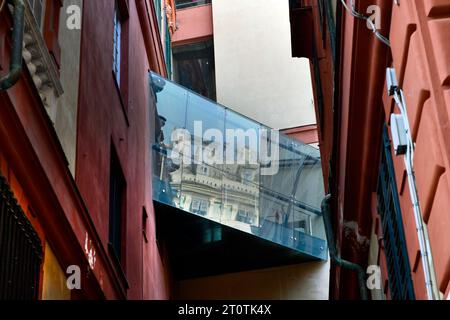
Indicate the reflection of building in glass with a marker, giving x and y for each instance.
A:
(283, 207)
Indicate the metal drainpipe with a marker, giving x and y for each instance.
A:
(15, 66)
(333, 250)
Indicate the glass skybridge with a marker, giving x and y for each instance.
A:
(223, 167)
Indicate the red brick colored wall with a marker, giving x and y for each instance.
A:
(419, 34)
(102, 120)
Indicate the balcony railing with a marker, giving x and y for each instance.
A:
(183, 4)
(230, 180)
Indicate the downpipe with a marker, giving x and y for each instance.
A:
(15, 66)
(333, 250)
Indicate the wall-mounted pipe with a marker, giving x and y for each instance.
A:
(333, 250)
(15, 66)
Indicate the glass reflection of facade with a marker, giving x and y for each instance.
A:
(283, 207)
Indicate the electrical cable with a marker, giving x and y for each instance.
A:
(358, 15)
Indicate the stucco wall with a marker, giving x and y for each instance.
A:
(103, 121)
(67, 105)
(255, 72)
(54, 280)
(420, 50)
(193, 24)
(308, 281)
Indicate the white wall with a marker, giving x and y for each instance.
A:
(66, 113)
(256, 74)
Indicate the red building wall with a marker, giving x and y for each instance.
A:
(106, 115)
(421, 55)
(72, 216)
(420, 52)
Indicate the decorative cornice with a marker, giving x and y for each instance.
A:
(38, 59)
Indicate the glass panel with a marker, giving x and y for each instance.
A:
(201, 191)
(223, 174)
(274, 221)
(242, 138)
(171, 105)
(166, 178)
(310, 189)
(290, 166)
(205, 123)
(241, 204)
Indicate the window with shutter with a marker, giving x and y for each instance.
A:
(399, 271)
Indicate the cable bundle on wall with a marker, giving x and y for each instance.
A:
(352, 10)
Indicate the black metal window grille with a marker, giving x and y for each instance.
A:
(399, 271)
(20, 250)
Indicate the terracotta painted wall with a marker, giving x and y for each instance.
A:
(193, 24)
(421, 55)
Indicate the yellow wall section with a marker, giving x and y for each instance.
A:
(307, 281)
(54, 285)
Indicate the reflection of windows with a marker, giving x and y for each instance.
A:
(195, 206)
(248, 176)
(212, 234)
(246, 216)
(199, 206)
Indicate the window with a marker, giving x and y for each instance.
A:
(144, 224)
(117, 206)
(399, 271)
(117, 44)
(199, 206)
(194, 67)
(20, 250)
(246, 216)
(120, 51)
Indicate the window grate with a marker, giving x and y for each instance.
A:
(399, 271)
(20, 250)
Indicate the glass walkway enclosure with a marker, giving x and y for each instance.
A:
(230, 192)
